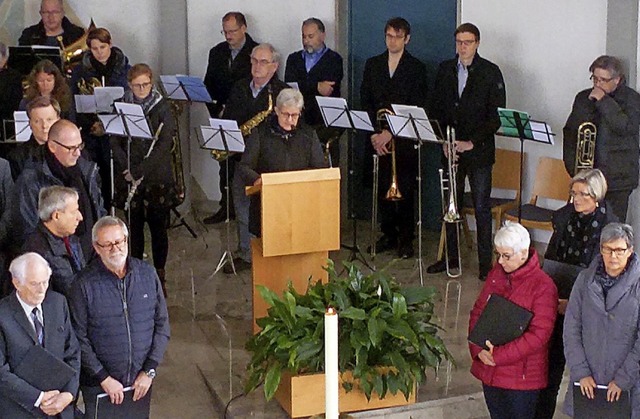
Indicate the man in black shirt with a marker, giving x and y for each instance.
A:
(54, 24)
(229, 61)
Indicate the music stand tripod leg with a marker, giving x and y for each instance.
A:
(227, 256)
(183, 222)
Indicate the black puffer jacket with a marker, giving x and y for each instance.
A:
(617, 118)
(122, 324)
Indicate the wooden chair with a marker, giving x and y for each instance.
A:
(551, 182)
(504, 175)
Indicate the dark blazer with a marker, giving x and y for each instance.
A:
(17, 336)
(328, 68)
(222, 73)
(242, 106)
(52, 248)
(475, 114)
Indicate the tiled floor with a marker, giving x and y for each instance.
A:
(211, 321)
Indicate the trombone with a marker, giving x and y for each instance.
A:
(586, 146)
(450, 204)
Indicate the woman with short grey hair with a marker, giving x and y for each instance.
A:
(290, 98)
(602, 322)
(512, 374)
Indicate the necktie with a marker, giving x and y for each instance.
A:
(38, 326)
(73, 254)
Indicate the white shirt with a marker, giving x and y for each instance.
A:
(27, 310)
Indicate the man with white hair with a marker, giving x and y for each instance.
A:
(250, 99)
(31, 316)
(52, 26)
(54, 237)
(120, 318)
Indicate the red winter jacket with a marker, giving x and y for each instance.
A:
(523, 363)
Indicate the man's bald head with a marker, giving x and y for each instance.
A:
(65, 142)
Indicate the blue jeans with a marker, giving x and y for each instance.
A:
(480, 182)
(510, 404)
(241, 203)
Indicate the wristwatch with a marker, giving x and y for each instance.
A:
(151, 373)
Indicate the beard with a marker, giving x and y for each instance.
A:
(116, 261)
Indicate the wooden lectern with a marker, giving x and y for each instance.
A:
(300, 225)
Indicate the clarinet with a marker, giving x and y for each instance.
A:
(137, 182)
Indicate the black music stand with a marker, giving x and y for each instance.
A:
(24, 58)
(180, 89)
(223, 135)
(336, 113)
(518, 124)
(411, 122)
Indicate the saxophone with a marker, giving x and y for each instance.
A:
(247, 127)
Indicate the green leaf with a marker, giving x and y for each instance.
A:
(400, 329)
(399, 305)
(308, 350)
(418, 295)
(375, 328)
(272, 381)
(353, 313)
(267, 295)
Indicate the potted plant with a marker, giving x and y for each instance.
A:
(386, 335)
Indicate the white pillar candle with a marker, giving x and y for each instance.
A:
(332, 410)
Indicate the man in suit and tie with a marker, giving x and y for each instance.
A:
(30, 316)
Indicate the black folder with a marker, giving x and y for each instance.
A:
(599, 407)
(501, 322)
(43, 370)
(563, 274)
(128, 409)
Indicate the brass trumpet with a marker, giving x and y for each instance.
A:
(586, 146)
(393, 193)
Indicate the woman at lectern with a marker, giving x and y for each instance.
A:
(602, 322)
(46, 80)
(147, 170)
(279, 144)
(513, 374)
(575, 241)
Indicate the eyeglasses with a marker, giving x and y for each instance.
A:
(598, 80)
(574, 194)
(70, 149)
(505, 256)
(110, 246)
(230, 31)
(141, 86)
(607, 251)
(255, 61)
(392, 36)
(50, 13)
(465, 42)
(288, 115)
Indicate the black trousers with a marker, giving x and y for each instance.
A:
(510, 404)
(546, 405)
(397, 218)
(158, 220)
(619, 201)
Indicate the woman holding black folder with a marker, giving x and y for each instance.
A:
(513, 374)
(602, 322)
(575, 241)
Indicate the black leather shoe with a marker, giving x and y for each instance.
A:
(405, 251)
(440, 266)
(384, 244)
(218, 217)
(240, 265)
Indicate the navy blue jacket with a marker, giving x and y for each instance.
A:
(122, 324)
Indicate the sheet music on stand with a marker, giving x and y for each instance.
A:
(187, 88)
(101, 101)
(130, 114)
(401, 126)
(336, 113)
(222, 135)
(537, 131)
(22, 128)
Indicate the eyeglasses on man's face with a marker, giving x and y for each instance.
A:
(608, 251)
(72, 148)
(112, 245)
